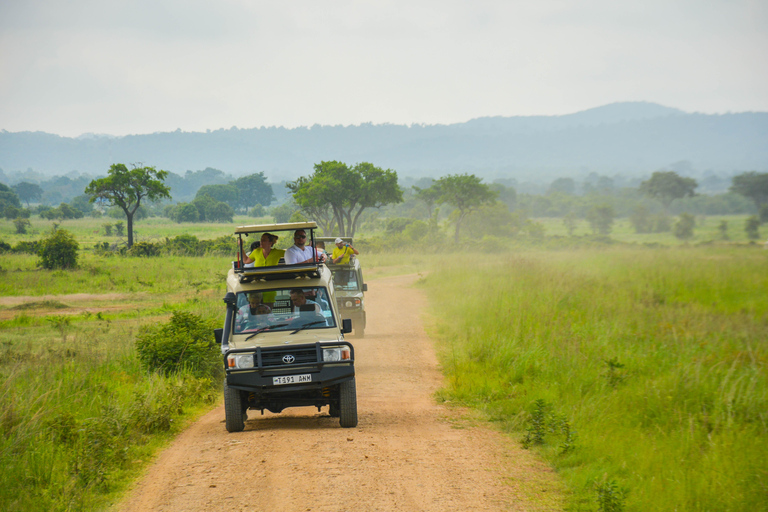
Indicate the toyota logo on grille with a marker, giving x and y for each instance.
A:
(288, 359)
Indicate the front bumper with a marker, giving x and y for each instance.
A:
(269, 362)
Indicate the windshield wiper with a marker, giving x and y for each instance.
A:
(266, 328)
(308, 324)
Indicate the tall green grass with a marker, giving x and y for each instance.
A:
(638, 368)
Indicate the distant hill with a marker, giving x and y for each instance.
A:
(622, 138)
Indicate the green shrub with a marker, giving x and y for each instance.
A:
(145, 249)
(186, 341)
(59, 250)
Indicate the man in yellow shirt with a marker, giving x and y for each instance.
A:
(342, 252)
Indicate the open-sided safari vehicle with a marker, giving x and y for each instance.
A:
(283, 338)
(349, 284)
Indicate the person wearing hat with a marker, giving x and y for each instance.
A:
(342, 252)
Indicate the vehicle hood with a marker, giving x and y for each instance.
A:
(285, 338)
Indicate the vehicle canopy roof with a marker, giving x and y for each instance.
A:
(264, 228)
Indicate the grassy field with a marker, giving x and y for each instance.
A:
(79, 416)
(638, 371)
(640, 374)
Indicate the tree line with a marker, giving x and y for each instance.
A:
(340, 197)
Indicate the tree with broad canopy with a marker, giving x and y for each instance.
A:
(126, 188)
(335, 195)
(28, 191)
(752, 185)
(666, 186)
(465, 192)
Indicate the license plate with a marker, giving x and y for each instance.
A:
(291, 379)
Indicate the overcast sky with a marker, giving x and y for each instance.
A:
(115, 67)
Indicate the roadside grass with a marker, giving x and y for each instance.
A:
(79, 417)
(639, 374)
(114, 274)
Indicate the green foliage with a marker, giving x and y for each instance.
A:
(600, 218)
(257, 211)
(610, 497)
(752, 227)
(58, 250)
(641, 219)
(127, 188)
(120, 228)
(22, 225)
(642, 347)
(666, 186)
(185, 342)
(253, 190)
(284, 212)
(752, 185)
(28, 191)
(8, 198)
(336, 195)
(684, 226)
(465, 192)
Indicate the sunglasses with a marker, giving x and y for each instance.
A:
(299, 236)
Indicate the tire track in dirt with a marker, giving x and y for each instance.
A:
(407, 453)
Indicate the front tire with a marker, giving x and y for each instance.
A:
(348, 404)
(234, 412)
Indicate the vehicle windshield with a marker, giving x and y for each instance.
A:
(283, 309)
(345, 279)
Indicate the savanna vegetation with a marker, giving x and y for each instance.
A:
(619, 333)
(640, 374)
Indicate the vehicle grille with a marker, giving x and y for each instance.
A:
(274, 357)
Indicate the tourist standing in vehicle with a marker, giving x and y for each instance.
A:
(264, 256)
(299, 252)
(343, 252)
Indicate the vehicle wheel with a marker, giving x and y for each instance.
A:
(348, 404)
(333, 410)
(234, 412)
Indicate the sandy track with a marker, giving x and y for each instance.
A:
(407, 453)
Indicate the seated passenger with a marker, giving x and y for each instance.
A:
(265, 255)
(342, 252)
(255, 245)
(303, 306)
(299, 252)
(254, 314)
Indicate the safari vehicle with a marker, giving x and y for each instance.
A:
(350, 287)
(283, 338)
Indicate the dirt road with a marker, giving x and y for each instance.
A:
(407, 453)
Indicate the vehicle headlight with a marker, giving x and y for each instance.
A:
(348, 304)
(238, 361)
(335, 354)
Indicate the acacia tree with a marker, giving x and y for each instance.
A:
(465, 192)
(752, 185)
(666, 186)
(126, 188)
(28, 191)
(336, 195)
(252, 190)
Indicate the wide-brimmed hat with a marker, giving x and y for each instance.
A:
(338, 241)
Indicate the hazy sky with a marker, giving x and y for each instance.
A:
(102, 66)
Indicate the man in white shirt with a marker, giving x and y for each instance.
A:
(299, 252)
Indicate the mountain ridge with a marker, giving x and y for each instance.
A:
(623, 138)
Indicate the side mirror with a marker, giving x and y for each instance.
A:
(230, 299)
(365, 287)
(217, 334)
(346, 325)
